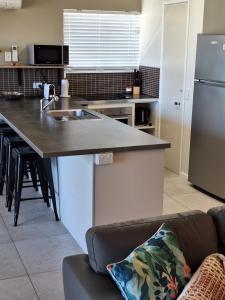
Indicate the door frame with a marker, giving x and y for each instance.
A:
(169, 2)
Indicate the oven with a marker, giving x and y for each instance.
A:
(121, 114)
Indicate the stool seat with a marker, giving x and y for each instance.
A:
(28, 152)
(3, 124)
(12, 139)
(6, 130)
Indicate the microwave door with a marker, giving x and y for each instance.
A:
(48, 55)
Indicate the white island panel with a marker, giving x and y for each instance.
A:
(75, 183)
(130, 188)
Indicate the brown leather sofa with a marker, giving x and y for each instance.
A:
(85, 276)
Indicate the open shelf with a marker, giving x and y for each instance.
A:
(143, 101)
(143, 127)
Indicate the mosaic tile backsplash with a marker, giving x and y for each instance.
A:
(150, 81)
(80, 83)
(9, 80)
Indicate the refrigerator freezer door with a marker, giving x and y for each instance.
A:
(207, 154)
(210, 61)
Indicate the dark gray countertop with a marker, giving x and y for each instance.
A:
(52, 138)
(101, 100)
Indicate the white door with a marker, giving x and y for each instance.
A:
(173, 70)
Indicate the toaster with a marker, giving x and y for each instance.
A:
(142, 116)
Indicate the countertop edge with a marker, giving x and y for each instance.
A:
(104, 150)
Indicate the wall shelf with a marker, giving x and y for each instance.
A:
(30, 67)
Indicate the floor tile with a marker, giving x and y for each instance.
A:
(44, 255)
(49, 286)
(169, 174)
(4, 235)
(31, 212)
(178, 186)
(10, 263)
(170, 206)
(17, 289)
(197, 201)
(36, 231)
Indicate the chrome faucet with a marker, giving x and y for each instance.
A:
(52, 98)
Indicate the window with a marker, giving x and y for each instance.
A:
(102, 40)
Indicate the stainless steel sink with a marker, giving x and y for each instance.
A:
(71, 115)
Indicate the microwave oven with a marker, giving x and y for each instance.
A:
(48, 55)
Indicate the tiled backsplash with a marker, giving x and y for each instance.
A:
(150, 81)
(9, 79)
(99, 83)
(80, 83)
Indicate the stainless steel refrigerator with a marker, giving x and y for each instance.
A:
(207, 153)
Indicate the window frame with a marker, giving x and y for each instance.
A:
(74, 69)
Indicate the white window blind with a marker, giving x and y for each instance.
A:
(102, 40)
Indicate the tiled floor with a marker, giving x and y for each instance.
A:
(31, 254)
(180, 196)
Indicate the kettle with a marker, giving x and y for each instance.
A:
(49, 91)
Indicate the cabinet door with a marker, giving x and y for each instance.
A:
(173, 69)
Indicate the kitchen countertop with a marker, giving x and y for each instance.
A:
(51, 138)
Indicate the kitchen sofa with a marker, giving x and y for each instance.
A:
(85, 276)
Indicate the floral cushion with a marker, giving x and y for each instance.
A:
(156, 270)
(208, 283)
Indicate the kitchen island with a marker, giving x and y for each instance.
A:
(89, 192)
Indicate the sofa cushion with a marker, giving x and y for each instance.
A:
(208, 282)
(218, 215)
(195, 231)
(155, 270)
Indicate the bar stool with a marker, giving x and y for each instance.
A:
(4, 132)
(22, 156)
(9, 143)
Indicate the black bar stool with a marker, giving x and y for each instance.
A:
(9, 143)
(4, 132)
(22, 156)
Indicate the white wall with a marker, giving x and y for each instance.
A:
(151, 32)
(214, 21)
(41, 21)
(151, 56)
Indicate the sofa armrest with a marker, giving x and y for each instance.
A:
(218, 215)
(81, 283)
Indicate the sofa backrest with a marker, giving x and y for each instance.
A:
(218, 215)
(195, 232)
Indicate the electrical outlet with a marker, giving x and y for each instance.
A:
(8, 56)
(104, 159)
(37, 85)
